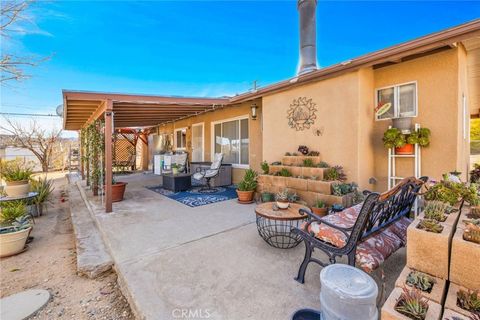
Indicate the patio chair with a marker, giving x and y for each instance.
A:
(182, 162)
(210, 173)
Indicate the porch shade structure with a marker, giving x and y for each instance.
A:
(81, 108)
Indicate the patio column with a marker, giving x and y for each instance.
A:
(145, 155)
(80, 155)
(108, 154)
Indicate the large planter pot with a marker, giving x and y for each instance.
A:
(407, 149)
(245, 196)
(320, 211)
(17, 188)
(118, 190)
(13, 242)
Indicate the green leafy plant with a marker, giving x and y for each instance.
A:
(452, 192)
(436, 210)
(308, 162)
(18, 224)
(44, 187)
(420, 136)
(288, 154)
(284, 173)
(420, 281)
(341, 189)
(468, 300)
(14, 170)
(319, 204)
(430, 225)
(394, 138)
(249, 181)
(412, 304)
(323, 164)
(335, 173)
(265, 167)
(12, 211)
(313, 154)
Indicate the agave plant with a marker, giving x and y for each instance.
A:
(412, 304)
(335, 174)
(469, 300)
(436, 210)
(420, 281)
(430, 225)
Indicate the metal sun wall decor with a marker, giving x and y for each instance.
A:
(301, 114)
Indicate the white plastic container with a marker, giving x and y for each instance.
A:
(347, 293)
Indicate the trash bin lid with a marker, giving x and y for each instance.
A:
(348, 282)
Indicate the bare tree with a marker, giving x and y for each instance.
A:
(12, 67)
(39, 141)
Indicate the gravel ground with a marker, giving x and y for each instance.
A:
(50, 263)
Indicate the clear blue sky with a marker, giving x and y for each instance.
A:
(201, 48)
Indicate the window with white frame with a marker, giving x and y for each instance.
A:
(231, 138)
(397, 101)
(180, 138)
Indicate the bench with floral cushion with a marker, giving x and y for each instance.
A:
(367, 233)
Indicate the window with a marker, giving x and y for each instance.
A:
(231, 138)
(181, 138)
(396, 102)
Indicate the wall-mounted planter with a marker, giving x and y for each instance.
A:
(389, 313)
(429, 252)
(451, 301)
(438, 292)
(465, 259)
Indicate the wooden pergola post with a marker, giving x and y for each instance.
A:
(80, 155)
(108, 154)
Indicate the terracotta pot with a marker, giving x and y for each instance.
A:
(320, 211)
(13, 242)
(17, 188)
(118, 190)
(405, 150)
(245, 196)
(282, 204)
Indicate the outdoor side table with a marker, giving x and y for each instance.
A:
(27, 199)
(274, 226)
(177, 182)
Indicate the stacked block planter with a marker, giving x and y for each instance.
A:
(465, 258)
(389, 313)
(451, 301)
(298, 160)
(452, 315)
(438, 292)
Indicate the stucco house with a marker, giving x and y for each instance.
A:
(435, 79)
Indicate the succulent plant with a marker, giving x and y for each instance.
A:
(474, 212)
(320, 204)
(308, 162)
(276, 163)
(288, 154)
(452, 192)
(436, 210)
(303, 150)
(341, 189)
(420, 281)
(313, 178)
(313, 154)
(472, 232)
(475, 173)
(469, 300)
(282, 195)
(323, 164)
(265, 167)
(284, 173)
(294, 154)
(335, 174)
(430, 225)
(412, 304)
(249, 181)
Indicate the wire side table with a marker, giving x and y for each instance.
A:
(274, 225)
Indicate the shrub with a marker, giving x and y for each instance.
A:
(12, 211)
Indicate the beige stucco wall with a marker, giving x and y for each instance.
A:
(255, 148)
(437, 79)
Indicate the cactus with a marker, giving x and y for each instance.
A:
(420, 281)
(472, 231)
(430, 225)
(436, 210)
(412, 304)
(468, 300)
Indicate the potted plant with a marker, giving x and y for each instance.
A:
(281, 199)
(118, 190)
(16, 176)
(265, 167)
(320, 208)
(267, 197)
(404, 143)
(15, 227)
(247, 186)
(175, 168)
(44, 188)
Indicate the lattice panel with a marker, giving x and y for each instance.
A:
(124, 150)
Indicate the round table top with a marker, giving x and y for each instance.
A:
(291, 213)
(27, 196)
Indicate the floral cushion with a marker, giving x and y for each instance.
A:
(344, 219)
(400, 229)
(372, 251)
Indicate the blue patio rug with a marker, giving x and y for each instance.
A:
(193, 198)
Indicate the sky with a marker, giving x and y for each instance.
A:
(196, 48)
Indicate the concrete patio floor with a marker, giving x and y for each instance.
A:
(178, 262)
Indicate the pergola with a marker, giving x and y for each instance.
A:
(128, 111)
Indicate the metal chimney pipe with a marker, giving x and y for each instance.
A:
(308, 35)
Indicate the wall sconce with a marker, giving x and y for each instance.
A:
(254, 111)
